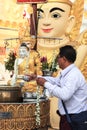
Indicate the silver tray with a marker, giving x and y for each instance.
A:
(33, 99)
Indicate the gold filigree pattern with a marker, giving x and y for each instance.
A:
(23, 116)
(83, 67)
(77, 11)
(84, 38)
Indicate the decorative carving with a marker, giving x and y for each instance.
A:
(23, 115)
(77, 11)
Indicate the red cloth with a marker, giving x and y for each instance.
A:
(63, 125)
(2, 51)
(31, 1)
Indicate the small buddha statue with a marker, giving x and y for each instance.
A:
(27, 62)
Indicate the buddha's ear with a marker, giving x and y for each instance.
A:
(71, 23)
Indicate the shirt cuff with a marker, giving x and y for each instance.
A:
(49, 86)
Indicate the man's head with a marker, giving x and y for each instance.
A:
(66, 56)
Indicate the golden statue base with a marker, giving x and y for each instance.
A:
(21, 116)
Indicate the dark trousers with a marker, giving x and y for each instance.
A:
(63, 125)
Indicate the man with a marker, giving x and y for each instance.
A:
(70, 86)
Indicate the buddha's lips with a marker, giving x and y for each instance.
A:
(47, 30)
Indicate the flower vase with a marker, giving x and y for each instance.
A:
(47, 72)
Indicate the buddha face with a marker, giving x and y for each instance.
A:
(54, 19)
(23, 52)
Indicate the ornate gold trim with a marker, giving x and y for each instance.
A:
(23, 116)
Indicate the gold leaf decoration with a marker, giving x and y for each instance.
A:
(77, 11)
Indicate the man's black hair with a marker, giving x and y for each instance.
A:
(69, 52)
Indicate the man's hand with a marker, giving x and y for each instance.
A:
(41, 81)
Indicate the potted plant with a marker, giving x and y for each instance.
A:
(48, 67)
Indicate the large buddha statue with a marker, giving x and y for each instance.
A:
(59, 23)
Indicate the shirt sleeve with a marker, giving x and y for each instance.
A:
(66, 89)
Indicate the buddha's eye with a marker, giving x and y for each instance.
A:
(39, 15)
(55, 15)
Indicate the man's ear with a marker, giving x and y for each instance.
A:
(64, 58)
(71, 23)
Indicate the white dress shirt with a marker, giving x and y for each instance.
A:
(71, 87)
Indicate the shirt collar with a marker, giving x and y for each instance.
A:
(66, 70)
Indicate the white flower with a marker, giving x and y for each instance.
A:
(5, 60)
(37, 112)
